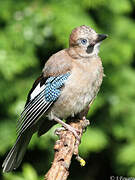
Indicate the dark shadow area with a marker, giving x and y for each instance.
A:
(47, 49)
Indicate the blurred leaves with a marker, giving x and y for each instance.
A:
(30, 32)
(94, 140)
(27, 173)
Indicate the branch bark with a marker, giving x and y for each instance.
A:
(65, 148)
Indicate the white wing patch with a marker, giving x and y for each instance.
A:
(36, 91)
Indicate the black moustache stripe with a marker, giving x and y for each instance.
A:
(90, 49)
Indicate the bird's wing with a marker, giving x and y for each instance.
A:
(44, 93)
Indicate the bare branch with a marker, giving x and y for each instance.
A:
(65, 148)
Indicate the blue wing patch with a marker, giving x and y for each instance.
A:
(53, 85)
(42, 102)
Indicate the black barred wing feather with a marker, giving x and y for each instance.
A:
(32, 112)
(40, 100)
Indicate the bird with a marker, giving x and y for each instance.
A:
(69, 82)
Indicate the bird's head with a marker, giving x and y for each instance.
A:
(85, 41)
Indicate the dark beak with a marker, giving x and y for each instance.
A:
(101, 37)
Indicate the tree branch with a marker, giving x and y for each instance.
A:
(65, 148)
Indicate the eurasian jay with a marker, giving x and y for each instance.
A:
(69, 82)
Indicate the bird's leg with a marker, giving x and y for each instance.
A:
(86, 123)
(68, 127)
(59, 129)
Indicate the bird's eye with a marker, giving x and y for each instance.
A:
(84, 41)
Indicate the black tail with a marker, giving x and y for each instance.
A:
(15, 156)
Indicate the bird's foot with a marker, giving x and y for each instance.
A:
(86, 122)
(58, 130)
(68, 127)
(74, 131)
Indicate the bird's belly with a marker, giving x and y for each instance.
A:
(76, 95)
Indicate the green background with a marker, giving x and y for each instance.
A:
(30, 32)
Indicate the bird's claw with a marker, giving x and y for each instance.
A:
(76, 133)
(71, 129)
(58, 130)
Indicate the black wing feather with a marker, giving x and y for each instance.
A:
(34, 108)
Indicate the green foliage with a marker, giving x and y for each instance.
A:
(27, 173)
(30, 31)
(96, 141)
